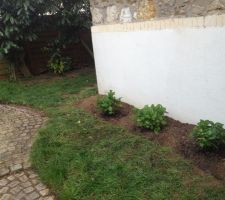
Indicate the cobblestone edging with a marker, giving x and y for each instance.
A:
(173, 23)
(23, 185)
(18, 128)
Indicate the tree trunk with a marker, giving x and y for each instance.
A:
(12, 72)
(25, 71)
(23, 67)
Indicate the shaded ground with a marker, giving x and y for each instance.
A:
(175, 135)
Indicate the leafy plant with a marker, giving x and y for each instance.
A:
(68, 18)
(151, 117)
(16, 28)
(209, 135)
(109, 104)
(59, 64)
(22, 20)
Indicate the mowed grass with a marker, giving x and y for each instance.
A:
(83, 158)
(45, 94)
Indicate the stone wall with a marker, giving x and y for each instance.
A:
(123, 11)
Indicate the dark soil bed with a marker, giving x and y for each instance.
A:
(175, 135)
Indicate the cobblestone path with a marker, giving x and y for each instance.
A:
(18, 129)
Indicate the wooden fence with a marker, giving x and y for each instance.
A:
(37, 59)
(3, 68)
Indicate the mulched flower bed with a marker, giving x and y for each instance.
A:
(175, 135)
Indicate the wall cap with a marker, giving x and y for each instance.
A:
(158, 24)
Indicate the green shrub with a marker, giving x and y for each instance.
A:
(209, 135)
(59, 64)
(109, 105)
(151, 117)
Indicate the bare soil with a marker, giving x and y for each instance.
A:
(175, 135)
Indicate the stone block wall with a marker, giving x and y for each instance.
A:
(124, 11)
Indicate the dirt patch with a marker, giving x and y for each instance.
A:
(124, 118)
(175, 135)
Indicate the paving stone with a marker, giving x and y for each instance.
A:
(28, 190)
(26, 165)
(40, 187)
(18, 127)
(34, 181)
(32, 196)
(21, 196)
(4, 171)
(11, 178)
(16, 167)
(4, 190)
(3, 182)
(44, 192)
(26, 184)
(19, 174)
(14, 187)
(32, 176)
(23, 178)
(49, 198)
(13, 184)
(7, 197)
(16, 190)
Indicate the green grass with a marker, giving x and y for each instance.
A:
(46, 94)
(83, 158)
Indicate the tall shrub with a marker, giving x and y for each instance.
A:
(21, 20)
(70, 16)
(16, 18)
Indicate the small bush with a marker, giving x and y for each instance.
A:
(209, 135)
(151, 117)
(59, 64)
(109, 104)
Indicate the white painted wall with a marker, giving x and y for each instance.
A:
(182, 69)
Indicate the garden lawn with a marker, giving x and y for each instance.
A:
(83, 158)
